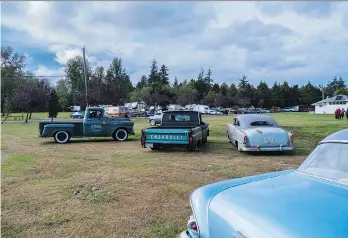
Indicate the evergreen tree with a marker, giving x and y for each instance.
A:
(334, 85)
(176, 83)
(142, 83)
(53, 105)
(163, 75)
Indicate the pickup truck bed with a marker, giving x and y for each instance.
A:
(189, 134)
(78, 125)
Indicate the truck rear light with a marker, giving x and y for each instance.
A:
(245, 139)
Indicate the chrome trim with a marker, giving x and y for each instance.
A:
(319, 177)
(333, 141)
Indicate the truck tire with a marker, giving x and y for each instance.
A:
(152, 122)
(62, 137)
(155, 147)
(120, 135)
(192, 147)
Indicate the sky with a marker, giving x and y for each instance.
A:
(267, 41)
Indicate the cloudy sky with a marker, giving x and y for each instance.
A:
(270, 41)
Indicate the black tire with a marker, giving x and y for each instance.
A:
(155, 147)
(62, 137)
(192, 148)
(120, 135)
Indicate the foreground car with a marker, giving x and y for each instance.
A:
(309, 202)
(259, 133)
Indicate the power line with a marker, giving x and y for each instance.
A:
(33, 76)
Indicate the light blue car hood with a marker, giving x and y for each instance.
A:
(287, 206)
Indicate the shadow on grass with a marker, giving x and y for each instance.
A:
(76, 141)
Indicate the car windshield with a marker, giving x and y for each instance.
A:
(328, 160)
(261, 123)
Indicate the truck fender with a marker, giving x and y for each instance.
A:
(59, 127)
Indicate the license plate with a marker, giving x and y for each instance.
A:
(149, 145)
(268, 140)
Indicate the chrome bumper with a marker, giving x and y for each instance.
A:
(184, 234)
(278, 148)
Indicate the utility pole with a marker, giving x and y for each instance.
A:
(322, 91)
(85, 73)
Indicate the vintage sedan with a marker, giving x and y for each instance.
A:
(156, 119)
(309, 202)
(255, 132)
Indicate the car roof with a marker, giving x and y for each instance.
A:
(247, 119)
(340, 136)
(180, 111)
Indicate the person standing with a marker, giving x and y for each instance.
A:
(342, 113)
(337, 113)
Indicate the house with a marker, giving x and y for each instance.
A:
(329, 105)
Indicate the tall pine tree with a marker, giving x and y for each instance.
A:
(53, 105)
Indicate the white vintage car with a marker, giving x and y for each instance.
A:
(255, 132)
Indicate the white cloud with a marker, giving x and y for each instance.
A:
(52, 74)
(266, 41)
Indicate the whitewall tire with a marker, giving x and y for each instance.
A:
(121, 135)
(61, 137)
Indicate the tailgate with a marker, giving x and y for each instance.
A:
(167, 136)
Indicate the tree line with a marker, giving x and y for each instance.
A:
(22, 91)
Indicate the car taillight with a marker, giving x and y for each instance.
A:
(245, 139)
(142, 138)
(292, 138)
(192, 224)
(190, 139)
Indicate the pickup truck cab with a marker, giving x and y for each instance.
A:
(96, 123)
(178, 128)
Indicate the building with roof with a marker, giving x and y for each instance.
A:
(329, 105)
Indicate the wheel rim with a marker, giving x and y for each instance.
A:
(121, 135)
(152, 122)
(62, 136)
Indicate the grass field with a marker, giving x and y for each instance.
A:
(103, 188)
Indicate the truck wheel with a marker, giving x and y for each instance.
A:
(62, 137)
(120, 135)
(152, 122)
(155, 147)
(192, 147)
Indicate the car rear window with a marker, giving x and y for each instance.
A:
(261, 123)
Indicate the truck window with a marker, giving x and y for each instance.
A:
(95, 114)
(178, 117)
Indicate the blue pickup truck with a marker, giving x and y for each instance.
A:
(96, 123)
(178, 128)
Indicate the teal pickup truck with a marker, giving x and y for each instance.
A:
(178, 128)
(96, 123)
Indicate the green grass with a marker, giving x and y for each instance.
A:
(104, 188)
(39, 115)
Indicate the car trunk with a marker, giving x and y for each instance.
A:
(267, 137)
(288, 206)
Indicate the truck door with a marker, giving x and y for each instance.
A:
(94, 123)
